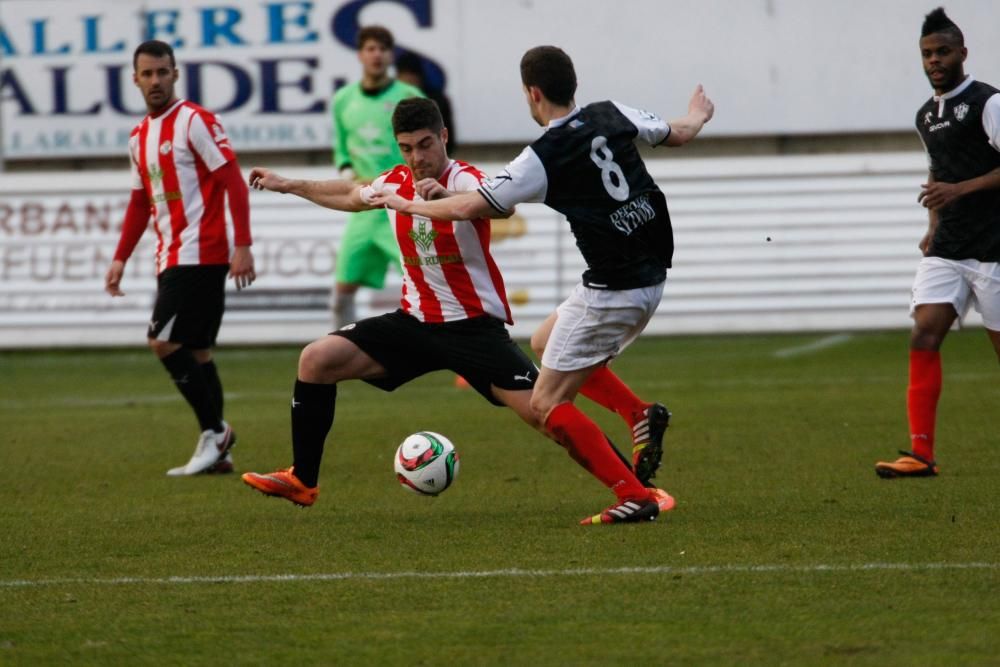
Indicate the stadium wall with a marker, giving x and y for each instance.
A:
(809, 243)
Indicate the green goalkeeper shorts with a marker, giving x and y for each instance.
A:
(367, 249)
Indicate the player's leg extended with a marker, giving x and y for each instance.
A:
(586, 444)
(551, 402)
(648, 422)
(322, 364)
(931, 324)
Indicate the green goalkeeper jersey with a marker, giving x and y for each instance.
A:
(362, 128)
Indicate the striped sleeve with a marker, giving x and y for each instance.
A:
(209, 140)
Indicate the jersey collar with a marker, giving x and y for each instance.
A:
(957, 90)
(556, 122)
(443, 178)
(164, 112)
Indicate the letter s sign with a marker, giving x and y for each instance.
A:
(345, 25)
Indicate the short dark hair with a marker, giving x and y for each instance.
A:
(938, 22)
(377, 33)
(155, 48)
(416, 113)
(408, 61)
(551, 70)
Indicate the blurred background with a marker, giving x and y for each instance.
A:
(795, 210)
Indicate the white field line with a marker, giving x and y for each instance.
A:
(512, 573)
(815, 346)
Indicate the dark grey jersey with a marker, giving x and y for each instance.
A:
(587, 167)
(961, 132)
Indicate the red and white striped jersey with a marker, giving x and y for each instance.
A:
(173, 156)
(448, 271)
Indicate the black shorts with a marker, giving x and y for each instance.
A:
(189, 305)
(478, 349)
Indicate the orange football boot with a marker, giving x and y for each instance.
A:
(283, 484)
(907, 465)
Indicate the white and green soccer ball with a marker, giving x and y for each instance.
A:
(426, 463)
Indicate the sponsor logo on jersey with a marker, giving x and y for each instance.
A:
(633, 215)
(166, 147)
(422, 237)
(173, 195)
(928, 118)
(961, 110)
(433, 260)
(155, 175)
(939, 126)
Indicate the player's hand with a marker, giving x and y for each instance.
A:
(700, 104)
(113, 278)
(429, 188)
(241, 267)
(389, 200)
(265, 179)
(937, 194)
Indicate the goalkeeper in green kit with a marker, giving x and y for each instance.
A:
(364, 146)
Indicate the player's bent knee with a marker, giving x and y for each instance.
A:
(540, 408)
(162, 348)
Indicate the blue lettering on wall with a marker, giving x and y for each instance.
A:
(40, 49)
(244, 84)
(116, 97)
(270, 86)
(9, 82)
(92, 39)
(277, 20)
(60, 97)
(165, 28)
(211, 30)
(6, 46)
(346, 23)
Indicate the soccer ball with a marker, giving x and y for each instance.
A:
(426, 463)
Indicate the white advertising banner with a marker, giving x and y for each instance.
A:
(774, 67)
(763, 244)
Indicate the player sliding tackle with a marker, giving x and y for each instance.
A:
(454, 307)
(586, 166)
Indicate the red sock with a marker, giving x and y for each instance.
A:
(587, 446)
(607, 390)
(922, 399)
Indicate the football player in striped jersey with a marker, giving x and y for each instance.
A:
(186, 180)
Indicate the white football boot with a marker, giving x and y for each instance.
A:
(212, 448)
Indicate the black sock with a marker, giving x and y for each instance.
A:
(313, 406)
(190, 381)
(211, 374)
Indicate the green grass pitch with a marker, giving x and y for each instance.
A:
(784, 547)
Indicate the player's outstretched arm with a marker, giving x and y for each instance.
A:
(336, 194)
(700, 111)
(460, 206)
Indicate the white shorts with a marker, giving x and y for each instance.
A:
(962, 283)
(593, 326)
